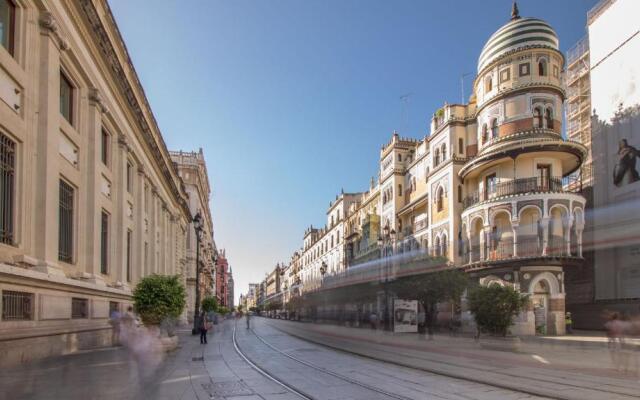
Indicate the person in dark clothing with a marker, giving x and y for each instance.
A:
(205, 325)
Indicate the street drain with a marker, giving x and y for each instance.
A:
(221, 390)
(197, 359)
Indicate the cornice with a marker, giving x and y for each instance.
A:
(142, 112)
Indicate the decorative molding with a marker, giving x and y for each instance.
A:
(50, 26)
(95, 99)
(158, 148)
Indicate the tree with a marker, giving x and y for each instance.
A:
(431, 289)
(223, 310)
(495, 306)
(158, 297)
(209, 304)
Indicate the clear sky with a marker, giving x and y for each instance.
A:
(292, 99)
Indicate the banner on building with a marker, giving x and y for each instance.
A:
(405, 315)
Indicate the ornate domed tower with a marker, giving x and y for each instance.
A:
(521, 225)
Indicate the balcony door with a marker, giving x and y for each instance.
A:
(490, 185)
(544, 177)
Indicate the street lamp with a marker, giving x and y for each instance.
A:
(197, 226)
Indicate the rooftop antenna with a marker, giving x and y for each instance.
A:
(462, 86)
(405, 109)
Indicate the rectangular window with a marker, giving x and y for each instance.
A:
(461, 146)
(79, 308)
(505, 75)
(17, 306)
(399, 190)
(129, 256)
(523, 69)
(146, 198)
(459, 194)
(65, 222)
(7, 24)
(7, 188)
(106, 140)
(146, 257)
(104, 243)
(129, 177)
(66, 98)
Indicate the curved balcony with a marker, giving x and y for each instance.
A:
(524, 249)
(571, 153)
(522, 186)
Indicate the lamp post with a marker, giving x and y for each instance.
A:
(388, 237)
(197, 226)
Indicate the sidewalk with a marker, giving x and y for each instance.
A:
(544, 367)
(191, 372)
(581, 339)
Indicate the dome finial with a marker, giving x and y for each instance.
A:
(515, 14)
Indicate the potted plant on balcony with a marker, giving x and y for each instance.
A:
(159, 301)
(493, 308)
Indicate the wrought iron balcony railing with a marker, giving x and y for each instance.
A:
(523, 186)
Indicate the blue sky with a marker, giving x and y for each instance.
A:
(292, 99)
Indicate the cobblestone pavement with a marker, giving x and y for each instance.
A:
(544, 368)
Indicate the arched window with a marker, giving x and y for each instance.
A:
(537, 117)
(440, 199)
(436, 159)
(494, 128)
(484, 133)
(444, 151)
(542, 67)
(548, 116)
(488, 84)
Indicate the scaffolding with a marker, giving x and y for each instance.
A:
(578, 103)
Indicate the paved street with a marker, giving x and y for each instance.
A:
(546, 368)
(217, 371)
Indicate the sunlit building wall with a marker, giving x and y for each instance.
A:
(91, 201)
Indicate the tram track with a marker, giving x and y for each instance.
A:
(342, 377)
(457, 376)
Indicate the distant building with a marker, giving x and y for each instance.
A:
(230, 295)
(222, 266)
(193, 171)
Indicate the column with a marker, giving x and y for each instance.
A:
(486, 246)
(579, 240)
(89, 236)
(469, 241)
(567, 235)
(46, 173)
(117, 226)
(544, 222)
(138, 260)
(514, 227)
(153, 235)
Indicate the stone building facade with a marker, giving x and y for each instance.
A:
(488, 189)
(91, 201)
(193, 172)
